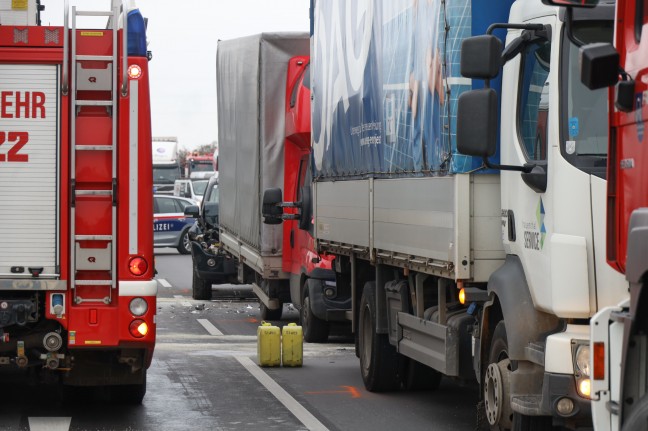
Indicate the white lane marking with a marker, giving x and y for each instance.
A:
(178, 296)
(186, 303)
(209, 327)
(280, 394)
(49, 424)
(164, 283)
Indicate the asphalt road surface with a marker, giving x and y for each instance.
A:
(204, 376)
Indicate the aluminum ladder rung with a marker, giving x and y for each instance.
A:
(79, 147)
(93, 13)
(93, 237)
(93, 282)
(94, 58)
(93, 192)
(94, 102)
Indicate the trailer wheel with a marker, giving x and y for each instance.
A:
(128, 394)
(184, 247)
(638, 419)
(378, 359)
(200, 288)
(315, 329)
(266, 314)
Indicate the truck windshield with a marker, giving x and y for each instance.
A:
(584, 130)
(199, 187)
(165, 174)
(202, 166)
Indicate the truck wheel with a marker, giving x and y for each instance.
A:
(315, 329)
(496, 384)
(128, 394)
(200, 288)
(184, 247)
(639, 416)
(378, 359)
(420, 377)
(266, 314)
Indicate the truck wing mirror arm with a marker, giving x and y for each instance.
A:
(527, 168)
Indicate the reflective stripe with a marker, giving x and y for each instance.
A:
(138, 288)
(133, 208)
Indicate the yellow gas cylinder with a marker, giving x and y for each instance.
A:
(268, 345)
(292, 345)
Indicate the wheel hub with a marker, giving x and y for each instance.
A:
(496, 397)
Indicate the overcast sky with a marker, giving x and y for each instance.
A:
(182, 36)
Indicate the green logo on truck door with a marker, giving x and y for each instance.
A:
(535, 232)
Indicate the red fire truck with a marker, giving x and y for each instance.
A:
(77, 294)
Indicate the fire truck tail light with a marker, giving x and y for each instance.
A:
(138, 328)
(599, 361)
(138, 306)
(138, 266)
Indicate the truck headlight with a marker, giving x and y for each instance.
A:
(582, 368)
(583, 359)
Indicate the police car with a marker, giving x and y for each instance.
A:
(170, 225)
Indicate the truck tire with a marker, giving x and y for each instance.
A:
(128, 394)
(200, 288)
(638, 419)
(315, 329)
(496, 386)
(266, 314)
(379, 362)
(420, 377)
(184, 247)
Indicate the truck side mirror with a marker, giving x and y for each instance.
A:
(271, 210)
(599, 65)
(481, 57)
(477, 123)
(192, 211)
(306, 215)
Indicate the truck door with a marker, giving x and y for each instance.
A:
(558, 210)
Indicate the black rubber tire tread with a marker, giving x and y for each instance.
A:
(638, 419)
(420, 377)
(379, 361)
(315, 329)
(200, 288)
(532, 423)
(184, 239)
(266, 314)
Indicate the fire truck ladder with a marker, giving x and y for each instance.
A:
(93, 163)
